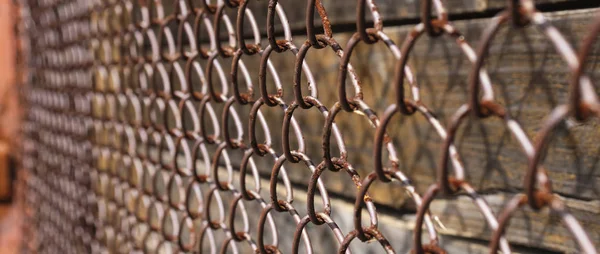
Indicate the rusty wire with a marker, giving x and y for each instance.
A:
(122, 133)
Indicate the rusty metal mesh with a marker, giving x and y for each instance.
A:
(126, 149)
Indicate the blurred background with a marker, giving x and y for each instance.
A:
(10, 212)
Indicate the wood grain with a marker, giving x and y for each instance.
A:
(342, 13)
(462, 227)
(534, 229)
(529, 79)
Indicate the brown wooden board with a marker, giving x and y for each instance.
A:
(534, 229)
(343, 13)
(461, 226)
(529, 78)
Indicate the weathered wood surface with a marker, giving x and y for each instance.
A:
(535, 229)
(392, 11)
(462, 228)
(529, 78)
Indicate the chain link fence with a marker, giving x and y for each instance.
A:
(150, 127)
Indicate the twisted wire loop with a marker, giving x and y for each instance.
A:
(137, 122)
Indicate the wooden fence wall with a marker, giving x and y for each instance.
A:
(529, 78)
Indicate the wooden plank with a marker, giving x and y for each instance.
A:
(541, 229)
(462, 227)
(344, 12)
(529, 78)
